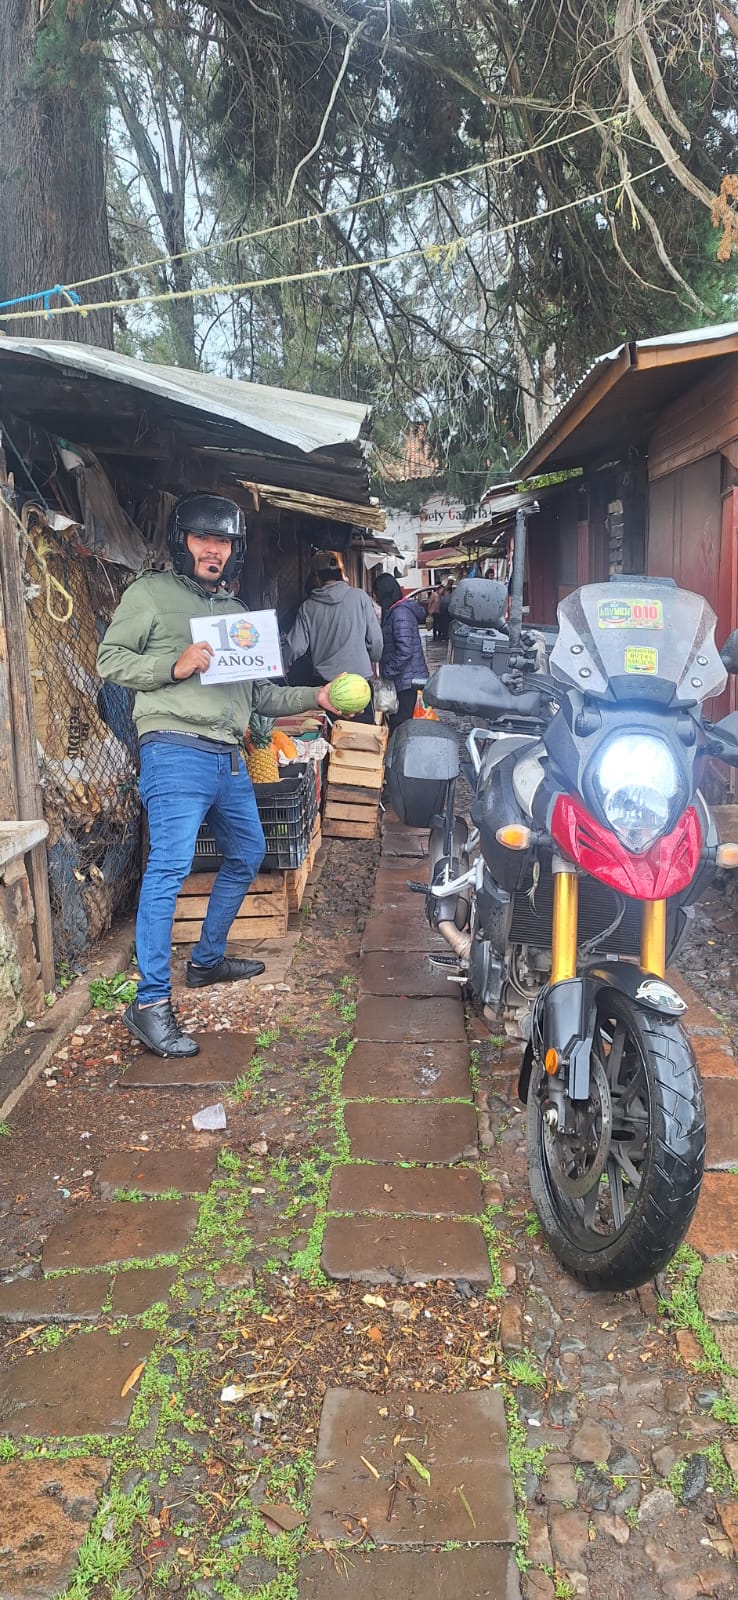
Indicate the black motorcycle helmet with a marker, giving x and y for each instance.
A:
(202, 514)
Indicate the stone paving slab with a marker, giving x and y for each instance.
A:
(152, 1172)
(717, 1291)
(421, 1191)
(75, 1389)
(47, 1507)
(71, 1299)
(139, 1288)
(408, 1071)
(483, 1572)
(404, 1250)
(460, 1438)
(394, 872)
(401, 930)
(714, 1230)
(395, 972)
(401, 843)
(120, 1230)
(398, 1021)
(714, 1057)
(699, 1015)
(392, 897)
(380, 1131)
(223, 1057)
(721, 1109)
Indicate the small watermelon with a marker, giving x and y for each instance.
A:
(349, 692)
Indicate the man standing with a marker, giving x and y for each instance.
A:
(191, 768)
(337, 625)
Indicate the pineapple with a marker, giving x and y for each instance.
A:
(261, 759)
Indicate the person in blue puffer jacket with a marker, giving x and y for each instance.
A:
(403, 660)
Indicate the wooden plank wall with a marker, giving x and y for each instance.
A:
(699, 423)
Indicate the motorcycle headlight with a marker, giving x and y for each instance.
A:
(636, 781)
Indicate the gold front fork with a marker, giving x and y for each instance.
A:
(564, 931)
(653, 937)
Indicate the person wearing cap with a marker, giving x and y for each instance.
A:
(337, 626)
(191, 766)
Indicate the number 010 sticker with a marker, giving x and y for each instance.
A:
(630, 614)
(641, 658)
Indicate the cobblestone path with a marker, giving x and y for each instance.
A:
(325, 1352)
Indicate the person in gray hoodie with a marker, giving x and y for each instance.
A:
(337, 626)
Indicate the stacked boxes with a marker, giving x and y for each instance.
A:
(355, 780)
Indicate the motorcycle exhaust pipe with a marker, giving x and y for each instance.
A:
(459, 941)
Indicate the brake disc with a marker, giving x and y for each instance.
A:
(577, 1170)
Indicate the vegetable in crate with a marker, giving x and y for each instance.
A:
(261, 761)
(349, 692)
(282, 744)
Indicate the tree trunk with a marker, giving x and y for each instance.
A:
(54, 226)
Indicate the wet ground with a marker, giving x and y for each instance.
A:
(163, 1401)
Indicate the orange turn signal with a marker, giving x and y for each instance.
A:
(514, 836)
(551, 1061)
(727, 855)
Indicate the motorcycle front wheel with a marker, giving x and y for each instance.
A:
(615, 1197)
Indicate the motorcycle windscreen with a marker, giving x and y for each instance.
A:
(638, 639)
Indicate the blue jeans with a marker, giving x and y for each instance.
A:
(180, 789)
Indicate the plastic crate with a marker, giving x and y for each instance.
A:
(287, 811)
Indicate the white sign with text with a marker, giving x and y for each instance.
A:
(245, 644)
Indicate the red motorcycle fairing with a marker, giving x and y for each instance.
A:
(668, 866)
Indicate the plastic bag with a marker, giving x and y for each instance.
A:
(422, 710)
(385, 697)
(210, 1119)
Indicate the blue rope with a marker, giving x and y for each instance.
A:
(46, 295)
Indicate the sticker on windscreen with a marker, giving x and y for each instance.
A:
(630, 614)
(641, 658)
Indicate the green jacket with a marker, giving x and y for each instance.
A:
(147, 635)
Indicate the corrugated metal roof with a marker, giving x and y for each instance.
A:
(431, 540)
(306, 422)
(568, 443)
(689, 336)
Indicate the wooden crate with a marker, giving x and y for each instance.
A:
(262, 915)
(355, 779)
(356, 765)
(360, 736)
(315, 842)
(357, 756)
(350, 812)
(297, 878)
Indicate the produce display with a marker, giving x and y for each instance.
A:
(349, 692)
(282, 744)
(261, 757)
(263, 746)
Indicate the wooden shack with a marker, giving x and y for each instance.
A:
(95, 447)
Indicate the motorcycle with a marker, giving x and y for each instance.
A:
(569, 887)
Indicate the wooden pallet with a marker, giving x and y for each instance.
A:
(262, 915)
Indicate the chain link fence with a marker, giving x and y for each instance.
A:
(86, 740)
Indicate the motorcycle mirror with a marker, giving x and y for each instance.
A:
(482, 602)
(726, 731)
(729, 652)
